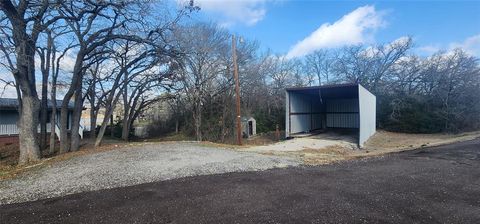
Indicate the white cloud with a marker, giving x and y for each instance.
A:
(428, 49)
(471, 45)
(248, 12)
(354, 28)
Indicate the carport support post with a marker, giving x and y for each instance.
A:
(287, 114)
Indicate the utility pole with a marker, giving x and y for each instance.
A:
(237, 90)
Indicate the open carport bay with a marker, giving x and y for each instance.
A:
(345, 106)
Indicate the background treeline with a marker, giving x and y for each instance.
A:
(438, 93)
(122, 58)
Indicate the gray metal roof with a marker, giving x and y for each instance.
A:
(329, 86)
(334, 91)
(12, 103)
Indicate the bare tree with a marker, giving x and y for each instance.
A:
(204, 45)
(320, 64)
(113, 17)
(45, 54)
(26, 20)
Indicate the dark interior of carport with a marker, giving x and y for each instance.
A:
(323, 108)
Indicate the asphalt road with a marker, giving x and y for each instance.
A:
(431, 185)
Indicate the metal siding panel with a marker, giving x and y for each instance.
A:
(342, 120)
(316, 121)
(342, 105)
(367, 106)
(300, 103)
(316, 105)
(342, 113)
(300, 123)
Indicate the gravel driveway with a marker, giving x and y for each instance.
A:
(131, 166)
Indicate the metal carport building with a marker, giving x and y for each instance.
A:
(344, 106)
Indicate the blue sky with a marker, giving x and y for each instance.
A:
(280, 25)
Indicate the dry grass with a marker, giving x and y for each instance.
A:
(391, 141)
(170, 137)
(9, 154)
(264, 138)
(11, 169)
(381, 143)
(325, 155)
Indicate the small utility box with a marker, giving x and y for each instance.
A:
(249, 127)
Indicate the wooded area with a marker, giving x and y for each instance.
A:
(101, 54)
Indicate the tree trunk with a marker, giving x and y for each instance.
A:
(224, 115)
(76, 116)
(93, 123)
(197, 116)
(63, 126)
(53, 118)
(74, 86)
(93, 112)
(44, 113)
(112, 135)
(125, 129)
(44, 106)
(126, 110)
(53, 96)
(108, 116)
(176, 124)
(103, 127)
(29, 103)
(28, 124)
(53, 123)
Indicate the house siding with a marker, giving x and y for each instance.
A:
(9, 118)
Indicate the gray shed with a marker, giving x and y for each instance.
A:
(249, 126)
(341, 106)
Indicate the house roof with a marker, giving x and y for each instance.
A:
(12, 103)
